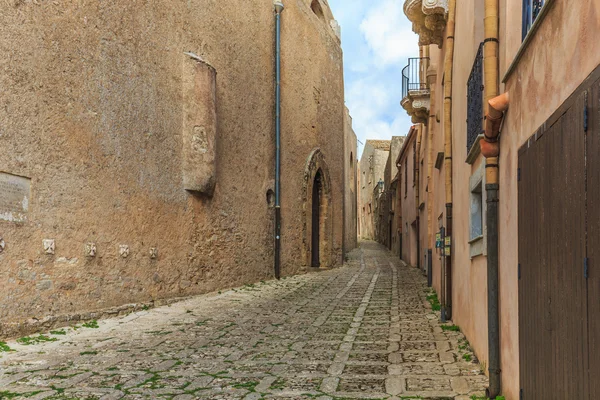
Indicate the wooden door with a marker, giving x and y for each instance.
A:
(552, 255)
(593, 228)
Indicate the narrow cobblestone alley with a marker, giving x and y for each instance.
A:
(362, 331)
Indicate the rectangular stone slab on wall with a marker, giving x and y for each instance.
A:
(14, 197)
(199, 126)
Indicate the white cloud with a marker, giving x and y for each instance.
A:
(375, 109)
(388, 33)
(377, 41)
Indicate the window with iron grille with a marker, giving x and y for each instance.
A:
(475, 100)
(531, 9)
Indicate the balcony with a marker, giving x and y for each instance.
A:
(428, 19)
(415, 89)
(475, 107)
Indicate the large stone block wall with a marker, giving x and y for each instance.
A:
(351, 185)
(92, 112)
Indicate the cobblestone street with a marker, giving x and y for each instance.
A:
(362, 331)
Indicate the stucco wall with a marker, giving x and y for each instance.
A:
(436, 193)
(558, 58)
(562, 53)
(92, 96)
(407, 201)
(469, 292)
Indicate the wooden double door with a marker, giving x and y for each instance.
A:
(559, 252)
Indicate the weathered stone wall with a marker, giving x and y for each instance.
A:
(350, 185)
(93, 105)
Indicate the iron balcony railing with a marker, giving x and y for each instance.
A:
(475, 100)
(414, 75)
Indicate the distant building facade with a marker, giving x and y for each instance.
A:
(372, 168)
(387, 229)
(138, 158)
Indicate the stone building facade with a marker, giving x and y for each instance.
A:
(350, 186)
(108, 107)
(535, 59)
(409, 224)
(387, 228)
(372, 169)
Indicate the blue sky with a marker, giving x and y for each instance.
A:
(377, 40)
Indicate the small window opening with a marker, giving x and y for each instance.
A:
(317, 9)
(477, 212)
(531, 10)
(270, 198)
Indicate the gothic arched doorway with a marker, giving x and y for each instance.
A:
(317, 193)
(317, 226)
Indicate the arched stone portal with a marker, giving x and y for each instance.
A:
(317, 212)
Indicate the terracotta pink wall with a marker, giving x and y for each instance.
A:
(543, 79)
(559, 57)
(437, 187)
(409, 215)
(423, 233)
(469, 300)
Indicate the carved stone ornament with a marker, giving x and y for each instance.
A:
(2, 245)
(90, 249)
(49, 246)
(417, 104)
(124, 250)
(153, 253)
(428, 19)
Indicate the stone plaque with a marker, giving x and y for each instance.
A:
(14, 197)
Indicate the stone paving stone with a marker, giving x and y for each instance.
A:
(362, 331)
(395, 385)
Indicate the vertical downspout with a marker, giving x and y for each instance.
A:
(446, 313)
(431, 80)
(399, 204)
(278, 10)
(417, 192)
(491, 28)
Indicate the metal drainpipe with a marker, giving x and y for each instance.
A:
(446, 312)
(278, 10)
(491, 88)
(493, 289)
(490, 149)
